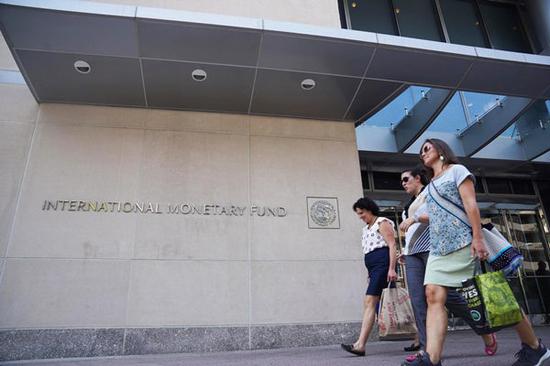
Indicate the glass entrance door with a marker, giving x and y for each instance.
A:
(524, 230)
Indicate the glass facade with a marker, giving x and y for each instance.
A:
(398, 108)
(515, 204)
(479, 23)
(535, 119)
(418, 19)
(372, 16)
(504, 26)
(452, 118)
(499, 186)
(479, 104)
(387, 181)
(463, 23)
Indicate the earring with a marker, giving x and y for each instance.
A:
(441, 157)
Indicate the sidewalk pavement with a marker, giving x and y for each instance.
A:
(461, 348)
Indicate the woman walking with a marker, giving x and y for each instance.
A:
(454, 249)
(379, 250)
(415, 254)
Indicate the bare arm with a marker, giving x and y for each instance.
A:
(386, 231)
(425, 219)
(468, 195)
(406, 224)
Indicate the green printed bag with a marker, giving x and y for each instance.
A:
(501, 306)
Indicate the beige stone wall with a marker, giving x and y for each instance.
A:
(76, 269)
(18, 116)
(6, 59)
(314, 12)
(85, 269)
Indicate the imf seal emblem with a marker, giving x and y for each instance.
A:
(323, 213)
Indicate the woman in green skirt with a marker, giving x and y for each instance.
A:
(455, 246)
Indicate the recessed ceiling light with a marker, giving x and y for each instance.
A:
(308, 84)
(198, 75)
(82, 67)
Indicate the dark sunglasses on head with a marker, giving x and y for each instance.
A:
(404, 179)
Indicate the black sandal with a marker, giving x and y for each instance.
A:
(349, 348)
(412, 348)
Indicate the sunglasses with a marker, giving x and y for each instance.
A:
(425, 149)
(404, 179)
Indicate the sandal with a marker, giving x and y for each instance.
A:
(412, 348)
(491, 349)
(349, 348)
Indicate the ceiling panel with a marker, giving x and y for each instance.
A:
(280, 93)
(507, 78)
(283, 51)
(170, 85)
(198, 43)
(371, 94)
(112, 80)
(418, 67)
(46, 30)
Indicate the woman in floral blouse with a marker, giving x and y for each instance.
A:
(454, 248)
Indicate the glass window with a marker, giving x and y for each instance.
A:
(387, 181)
(504, 26)
(372, 16)
(522, 186)
(451, 119)
(498, 185)
(417, 19)
(537, 117)
(396, 110)
(479, 104)
(510, 132)
(479, 185)
(463, 22)
(530, 29)
(365, 179)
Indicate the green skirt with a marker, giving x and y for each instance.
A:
(451, 269)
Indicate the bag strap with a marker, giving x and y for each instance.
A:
(480, 267)
(448, 205)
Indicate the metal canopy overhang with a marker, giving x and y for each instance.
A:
(143, 57)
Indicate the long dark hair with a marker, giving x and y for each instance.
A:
(443, 149)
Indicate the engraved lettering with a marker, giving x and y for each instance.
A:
(186, 209)
(81, 206)
(127, 207)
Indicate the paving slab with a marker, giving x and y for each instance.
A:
(462, 348)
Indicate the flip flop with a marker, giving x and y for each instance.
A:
(491, 349)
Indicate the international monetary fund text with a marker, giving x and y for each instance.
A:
(158, 208)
